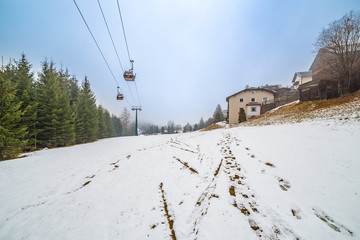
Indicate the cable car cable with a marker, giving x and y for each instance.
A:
(112, 41)
(117, 55)
(137, 93)
(127, 46)
(107, 64)
(122, 24)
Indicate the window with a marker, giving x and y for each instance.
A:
(253, 109)
(265, 99)
(241, 100)
(253, 99)
(253, 92)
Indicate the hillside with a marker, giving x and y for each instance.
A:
(286, 181)
(341, 109)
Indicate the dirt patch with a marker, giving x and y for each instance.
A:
(270, 164)
(283, 184)
(295, 213)
(232, 191)
(86, 183)
(218, 168)
(186, 165)
(167, 214)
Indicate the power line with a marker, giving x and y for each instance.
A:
(107, 64)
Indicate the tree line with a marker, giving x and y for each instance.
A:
(52, 110)
(171, 127)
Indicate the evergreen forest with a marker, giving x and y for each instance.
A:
(53, 110)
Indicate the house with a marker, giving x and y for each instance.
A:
(250, 99)
(324, 84)
(301, 78)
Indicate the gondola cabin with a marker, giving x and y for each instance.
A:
(119, 96)
(129, 76)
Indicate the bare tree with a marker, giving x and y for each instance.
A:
(341, 42)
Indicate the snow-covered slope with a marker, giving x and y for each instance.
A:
(290, 181)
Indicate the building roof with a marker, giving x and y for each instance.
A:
(253, 104)
(302, 74)
(249, 89)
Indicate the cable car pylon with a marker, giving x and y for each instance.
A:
(136, 109)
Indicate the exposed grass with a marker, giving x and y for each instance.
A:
(186, 165)
(167, 214)
(211, 127)
(342, 108)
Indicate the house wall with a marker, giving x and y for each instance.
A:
(251, 114)
(235, 104)
(302, 80)
(306, 79)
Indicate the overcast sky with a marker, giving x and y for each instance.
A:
(189, 54)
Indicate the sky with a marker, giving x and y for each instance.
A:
(189, 54)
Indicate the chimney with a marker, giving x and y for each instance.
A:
(247, 86)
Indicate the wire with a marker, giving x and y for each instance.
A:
(107, 64)
(137, 93)
(122, 24)
(107, 26)
(127, 46)
(110, 35)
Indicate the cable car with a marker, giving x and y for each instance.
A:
(129, 75)
(119, 96)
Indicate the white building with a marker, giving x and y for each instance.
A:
(301, 78)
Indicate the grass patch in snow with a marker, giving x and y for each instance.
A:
(343, 108)
(167, 214)
(212, 127)
(186, 165)
(270, 164)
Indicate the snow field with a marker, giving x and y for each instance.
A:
(272, 182)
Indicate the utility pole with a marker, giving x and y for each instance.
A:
(136, 109)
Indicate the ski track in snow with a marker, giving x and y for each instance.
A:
(246, 182)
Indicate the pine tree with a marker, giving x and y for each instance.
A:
(11, 131)
(117, 125)
(25, 93)
(242, 116)
(49, 108)
(110, 131)
(218, 115)
(201, 123)
(209, 122)
(66, 127)
(86, 127)
(101, 122)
